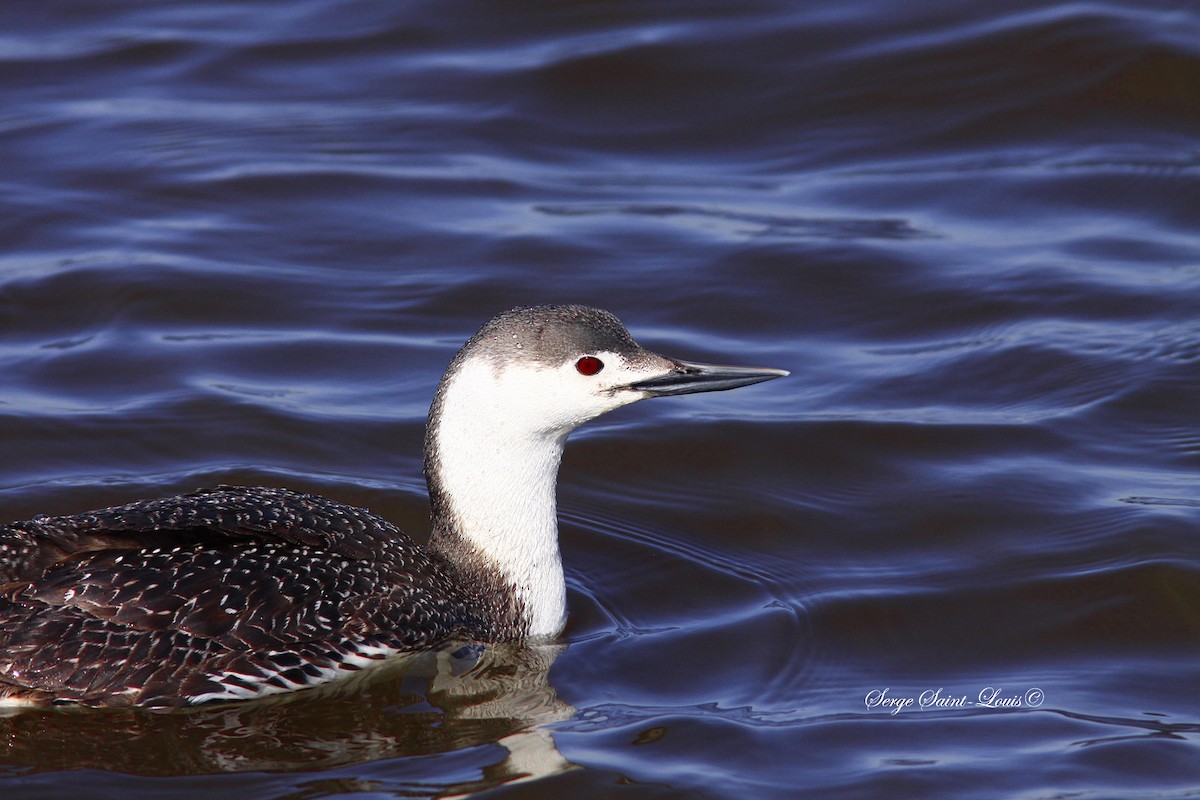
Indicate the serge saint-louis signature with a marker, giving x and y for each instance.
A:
(988, 697)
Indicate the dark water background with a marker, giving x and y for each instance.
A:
(239, 242)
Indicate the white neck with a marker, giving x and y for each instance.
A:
(497, 475)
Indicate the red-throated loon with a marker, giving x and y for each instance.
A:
(234, 593)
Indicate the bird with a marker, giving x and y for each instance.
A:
(235, 593)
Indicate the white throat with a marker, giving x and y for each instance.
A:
(498, 474)
(497, 427)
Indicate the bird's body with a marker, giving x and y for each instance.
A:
(224, 594)
(234, 593)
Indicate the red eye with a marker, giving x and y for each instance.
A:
(589, 365)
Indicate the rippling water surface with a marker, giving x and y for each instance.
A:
(956, 554)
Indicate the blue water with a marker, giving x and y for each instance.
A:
(240, 242)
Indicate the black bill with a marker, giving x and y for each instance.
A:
(686, 378)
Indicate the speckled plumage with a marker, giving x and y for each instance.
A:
(219, 595)
(233, 593)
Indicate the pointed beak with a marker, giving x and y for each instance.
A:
(687, 378)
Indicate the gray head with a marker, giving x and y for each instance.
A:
(558, 366)
(548, 335)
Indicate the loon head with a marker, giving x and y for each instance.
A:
(498, 423)
(543, 371)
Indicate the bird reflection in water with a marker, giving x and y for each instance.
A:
(429, 704)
